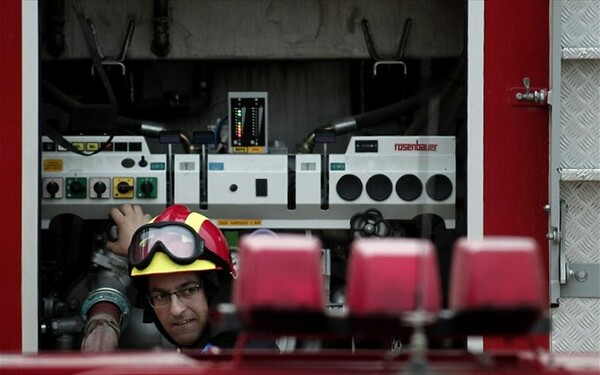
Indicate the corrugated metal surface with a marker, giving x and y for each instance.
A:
(582, 218)
(580, 118)
(576, 322)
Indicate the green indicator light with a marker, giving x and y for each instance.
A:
(157, 166)
(338, 166)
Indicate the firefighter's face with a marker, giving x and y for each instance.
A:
(183, 316)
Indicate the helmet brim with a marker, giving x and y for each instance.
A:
(161, 264)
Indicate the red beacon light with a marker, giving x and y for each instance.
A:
(390, 281)
(496, 284)
(279, 281)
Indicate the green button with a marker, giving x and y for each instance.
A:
(338, 166)
(157, 166)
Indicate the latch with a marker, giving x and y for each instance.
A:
(569, 280)
(530, 96)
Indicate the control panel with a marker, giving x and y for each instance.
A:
(400, 176)
(247, 179)
(125, 171)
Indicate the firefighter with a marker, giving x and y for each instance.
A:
(180, 263)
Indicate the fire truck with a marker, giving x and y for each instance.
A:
(346, 120)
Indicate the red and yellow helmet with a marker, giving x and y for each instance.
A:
(179, 240)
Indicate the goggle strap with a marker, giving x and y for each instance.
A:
(217, 260)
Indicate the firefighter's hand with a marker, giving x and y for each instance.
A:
(128, 218)
(101, 334)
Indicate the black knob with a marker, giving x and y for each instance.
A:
(146, 187)
(143, 162)
(439, 187)
(409, 187)
(233, 187)
(127, 163)
(52, 188)
(123, 187)
(99, 188)
(76, 187)
(379, 187)
(349, 187)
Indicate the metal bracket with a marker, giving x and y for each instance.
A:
(392, 60)
(558, 264)
(115, 60)
(583, 280)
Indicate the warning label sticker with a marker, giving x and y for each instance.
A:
(52, 165)
(239, 222)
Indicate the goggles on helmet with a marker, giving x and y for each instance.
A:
(179, 241)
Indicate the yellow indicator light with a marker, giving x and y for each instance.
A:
(79, 145)
(92, 146)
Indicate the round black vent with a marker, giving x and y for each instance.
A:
(409, 187)
(438, 187)
(379, 187)
(349, 187)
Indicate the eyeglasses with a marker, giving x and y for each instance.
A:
(179, 241)
(162, 299)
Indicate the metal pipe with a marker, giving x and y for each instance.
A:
(160, 41)
(55, 27)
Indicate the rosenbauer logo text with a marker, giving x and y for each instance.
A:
(415, 146)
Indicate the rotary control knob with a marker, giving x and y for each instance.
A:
(76, 187)
(99, 188)
(52, 188)
(123, 187)
(146, 188)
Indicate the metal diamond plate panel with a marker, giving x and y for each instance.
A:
(580, 23)
(580, 116)
(582, 221)
(576, 321)
(576, 326)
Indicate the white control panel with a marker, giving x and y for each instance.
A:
(247, 179)
(400, 176)
(124, 171)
